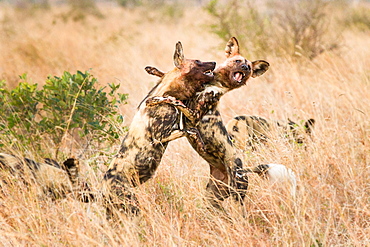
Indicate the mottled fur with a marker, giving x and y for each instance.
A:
(225, 166)
(151, 129)
(249, 131)
(55, 180)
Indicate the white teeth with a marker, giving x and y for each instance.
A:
(209, 73)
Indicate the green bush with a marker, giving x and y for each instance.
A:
(18, 111)
(65, 105)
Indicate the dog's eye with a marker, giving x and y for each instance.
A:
(238, 61)
(197, 62)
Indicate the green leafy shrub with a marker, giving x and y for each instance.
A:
(18, 111)
(65, 105)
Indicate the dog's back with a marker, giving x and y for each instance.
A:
(249, 131)
(246, 130)
(52, 180)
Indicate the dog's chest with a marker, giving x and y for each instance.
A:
(211, 128)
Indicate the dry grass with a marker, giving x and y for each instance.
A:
(332, 206)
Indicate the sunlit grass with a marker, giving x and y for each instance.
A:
(332, 205)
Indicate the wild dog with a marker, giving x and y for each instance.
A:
(151, 130)
(55, 180)
(226, 167)
(249, 131)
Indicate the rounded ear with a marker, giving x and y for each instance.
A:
(259, 67)
(232, 47)
(154, 71)
(178, 57)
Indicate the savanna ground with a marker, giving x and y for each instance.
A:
(329, 81)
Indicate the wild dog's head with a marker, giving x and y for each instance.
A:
(188, 77)
(236, 70)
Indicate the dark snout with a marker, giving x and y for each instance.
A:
(246, 67)
(211, 65)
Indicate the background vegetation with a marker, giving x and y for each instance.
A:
(320, 59)
(65, 107)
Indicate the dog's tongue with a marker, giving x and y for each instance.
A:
(238, 76)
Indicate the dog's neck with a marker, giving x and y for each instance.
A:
(217, 86)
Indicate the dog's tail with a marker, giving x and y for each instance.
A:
(276, 173)
(261, 170)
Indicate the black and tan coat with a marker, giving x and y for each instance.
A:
(226, 168)
(151, 130)
(248, 131)
(225, 164)
(54, 180)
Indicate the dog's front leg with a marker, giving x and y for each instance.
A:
(190, 114)
(191, 133)
(195, 136)
(207, 102)
(173, 136)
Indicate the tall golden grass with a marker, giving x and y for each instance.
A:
(332, 205)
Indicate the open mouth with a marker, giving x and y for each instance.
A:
(208, 73)
(238, 76)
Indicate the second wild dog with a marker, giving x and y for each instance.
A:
(54, 180)
(248, 131)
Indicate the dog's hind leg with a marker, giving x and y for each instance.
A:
(217, 189)
(239, 181)
(117, 190)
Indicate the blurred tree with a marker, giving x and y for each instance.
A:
(82, 8)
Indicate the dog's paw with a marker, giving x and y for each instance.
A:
(211, 97)
(152, 102)
(173, 101)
